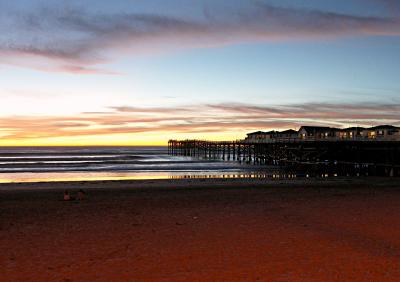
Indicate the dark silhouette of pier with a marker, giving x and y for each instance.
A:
(368, 157)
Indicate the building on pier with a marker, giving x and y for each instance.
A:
(317, 132)
(287, 134)
(261, 136)
(321, 133)
(352, 133)
(383, 132)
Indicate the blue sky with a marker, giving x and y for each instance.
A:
(69, 67)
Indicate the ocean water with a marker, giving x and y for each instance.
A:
(44, 164)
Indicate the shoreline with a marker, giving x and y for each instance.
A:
(209, 183)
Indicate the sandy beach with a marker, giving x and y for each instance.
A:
(202, 230)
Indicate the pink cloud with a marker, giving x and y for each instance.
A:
(224, 118)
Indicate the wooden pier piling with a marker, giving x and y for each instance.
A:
(380, 157)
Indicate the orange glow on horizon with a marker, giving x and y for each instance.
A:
(136, 139)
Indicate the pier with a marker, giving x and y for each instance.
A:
(368, 157)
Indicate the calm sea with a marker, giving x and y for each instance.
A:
(37, 164)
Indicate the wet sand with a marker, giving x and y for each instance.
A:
(202, 230)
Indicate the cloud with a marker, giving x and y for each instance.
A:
(203, 119)
(68, 39)
(393, 6)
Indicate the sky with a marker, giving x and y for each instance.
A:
(141, 72)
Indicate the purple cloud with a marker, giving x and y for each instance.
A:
(77, 41)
